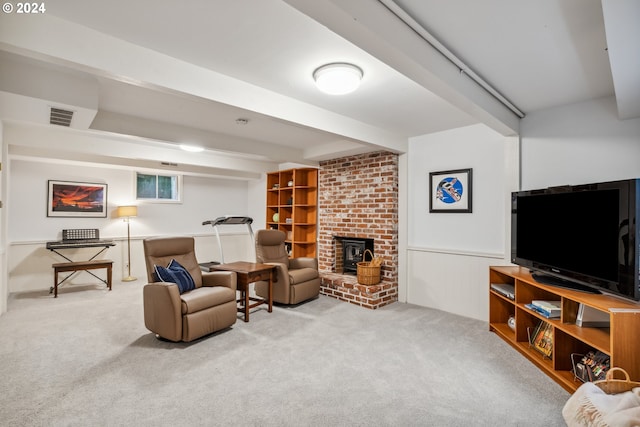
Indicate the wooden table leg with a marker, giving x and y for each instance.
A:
(55, 284)
(270, 291)
(246, 303)
(249, 275)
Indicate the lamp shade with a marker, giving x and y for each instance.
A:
(337, 78)
(127, 211)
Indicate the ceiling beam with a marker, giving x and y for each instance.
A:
(374, 28)
(623, 32)
(76, 46)
(66, 144)
(162, 131)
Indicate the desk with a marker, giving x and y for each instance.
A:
(248, 273)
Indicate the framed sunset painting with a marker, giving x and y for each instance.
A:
(76, 199)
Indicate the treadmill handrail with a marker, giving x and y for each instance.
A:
(229, 219)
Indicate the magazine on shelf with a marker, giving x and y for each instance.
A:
(542, 338)
(592, 366)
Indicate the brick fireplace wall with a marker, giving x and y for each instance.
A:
(358, 197)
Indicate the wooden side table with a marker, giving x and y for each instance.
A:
(249, 272)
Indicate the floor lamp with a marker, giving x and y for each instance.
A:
(127, 212)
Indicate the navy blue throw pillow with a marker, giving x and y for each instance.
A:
(175, 273)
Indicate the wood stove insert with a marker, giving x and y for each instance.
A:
(350, 251)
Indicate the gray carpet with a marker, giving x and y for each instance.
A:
(85, 358)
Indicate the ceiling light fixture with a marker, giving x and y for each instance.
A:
(191, 148)
(338, 78)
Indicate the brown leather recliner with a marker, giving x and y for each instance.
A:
(297, 278)
(208, 308)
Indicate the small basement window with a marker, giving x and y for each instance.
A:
(158, 188)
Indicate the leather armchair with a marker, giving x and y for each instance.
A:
(208, 308)
(297, 278)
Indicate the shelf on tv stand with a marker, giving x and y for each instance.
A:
(619, 341)
(548, 279)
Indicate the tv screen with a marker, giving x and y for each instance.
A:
(582, 236)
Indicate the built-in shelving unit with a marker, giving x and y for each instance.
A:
(621, 341)
(293, 195)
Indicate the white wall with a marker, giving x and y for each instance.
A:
(579, 144)
(4, 288)
(202, 199)
(29, 262)
(476, 147)
(257, 202)
(449, 253)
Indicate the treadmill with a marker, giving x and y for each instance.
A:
(225, 220)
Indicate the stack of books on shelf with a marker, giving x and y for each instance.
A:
(549, 309)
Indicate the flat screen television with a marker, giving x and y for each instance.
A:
(581, 237)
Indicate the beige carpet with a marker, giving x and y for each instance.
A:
(85, 359)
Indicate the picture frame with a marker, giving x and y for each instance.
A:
(450, 191)
(76, 199)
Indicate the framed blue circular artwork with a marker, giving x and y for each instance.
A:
(450, 191)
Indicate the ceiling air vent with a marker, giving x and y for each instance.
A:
(60, 117)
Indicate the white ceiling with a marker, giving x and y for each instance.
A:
(170, 71)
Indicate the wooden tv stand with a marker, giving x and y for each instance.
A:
(621, 341)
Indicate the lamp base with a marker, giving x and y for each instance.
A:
(129, 279)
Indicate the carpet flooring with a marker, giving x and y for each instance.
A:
(86, 359)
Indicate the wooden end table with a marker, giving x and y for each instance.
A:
(249, 272)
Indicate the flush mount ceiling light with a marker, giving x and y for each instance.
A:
(191, 148)
(338, 78)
